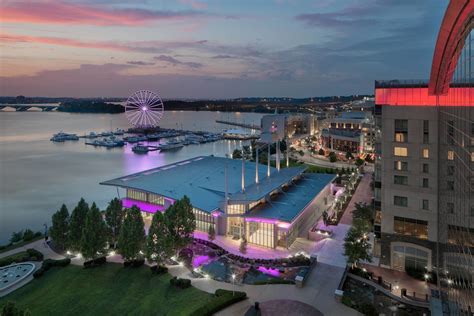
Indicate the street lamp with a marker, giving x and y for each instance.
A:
(233, 284)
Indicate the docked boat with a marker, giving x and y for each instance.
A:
(132, 139)
(61, 137)
(238, 134)
(171, 145)
(140, 149)
(119, 131)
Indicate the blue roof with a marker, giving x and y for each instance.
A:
(288, 205)
(202, 180)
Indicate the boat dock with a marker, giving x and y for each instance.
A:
(251, 126)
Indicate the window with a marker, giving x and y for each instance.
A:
(450, 208)
(426, 168)
(400, 165)
(410, 227)
(401, 131)
(425, 153)
(472, 211)
(426, 131)
(459, 235)
(203, 220)
(472, 156)
(403, 180)
(235, 208)
(400, 200)
(425, 205)
(425, 183)
(450, 155)
(451, 132)
(400, 151)
(450, 170)
(450, 185)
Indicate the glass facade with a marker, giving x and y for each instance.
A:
(262, 234)
(235, 208)
(235, 227)
(136, 195)
(410, 227)
(414, 257)
(203, 220)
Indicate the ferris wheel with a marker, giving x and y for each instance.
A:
(144, 109)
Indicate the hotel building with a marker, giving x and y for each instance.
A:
(270, 207)
(424, 180)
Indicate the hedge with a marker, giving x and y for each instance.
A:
(95, 262)
(223, 299)
(159, 269)
(48, 264)
(134, 263)
(28, 255)
(180, 283)
(273, 281)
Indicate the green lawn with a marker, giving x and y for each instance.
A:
(106, 290)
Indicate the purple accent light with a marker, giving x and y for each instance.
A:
(144, 206)
(199, 260)
(269, 271)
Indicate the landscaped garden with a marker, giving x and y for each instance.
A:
(110, 290)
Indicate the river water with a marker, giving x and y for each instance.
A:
(37, 175)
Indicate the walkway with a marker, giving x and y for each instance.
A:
(287, 307)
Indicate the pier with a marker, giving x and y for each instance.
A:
(251, 126)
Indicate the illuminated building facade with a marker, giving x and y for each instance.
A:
(424, 180)
(268, 207)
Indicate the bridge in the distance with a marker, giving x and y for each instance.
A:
(44, 107)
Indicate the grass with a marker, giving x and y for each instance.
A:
(106, 290)
(9, 247)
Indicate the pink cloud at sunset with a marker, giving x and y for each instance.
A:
(57, 12)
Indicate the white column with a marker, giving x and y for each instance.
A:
(278, 155)
(268, 161)
(243, 171)
(256, 164)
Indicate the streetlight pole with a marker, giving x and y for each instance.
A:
(233, 284)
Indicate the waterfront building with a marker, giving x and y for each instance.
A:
(290, 125)
(424, 180)
(270, 207)
(349, 132)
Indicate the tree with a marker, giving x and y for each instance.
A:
(132, 234)
(349, 155)
(321, 152)
(114, 218)
(359, 162)
(356, 246)
(158, 242)
(332, 157)
(243, 245)
(94, 237)
(325, 217)
(16, 237)
(363, 211)
(76, 224)
(211, 232)
(237, 154)
(182, 222)
(60, 227)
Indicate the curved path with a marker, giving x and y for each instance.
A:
(288, 307)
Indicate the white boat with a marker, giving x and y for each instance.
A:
(61, 137)
(140, 149)
(91, 135)
(132, 139)
(171, 145)
(119, 131)
(238, 134)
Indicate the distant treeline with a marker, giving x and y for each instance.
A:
(88, 106)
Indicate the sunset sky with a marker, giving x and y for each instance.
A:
(213, 48)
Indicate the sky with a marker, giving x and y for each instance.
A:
(213, 48)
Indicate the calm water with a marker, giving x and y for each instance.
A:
(37, 176)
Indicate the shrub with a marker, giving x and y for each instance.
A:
(273, 281)
(359, 162)
(34, 254)
(321, 152)
(223, 299)
(95, 262)
(28, 235)
(16, 237)
(48, 264)
(156, 269)
(134, 263)
(346, 301)
(332, 157)
(180, 283)
(368, 309)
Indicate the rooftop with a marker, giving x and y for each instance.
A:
(202, 180)
(288, 205)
